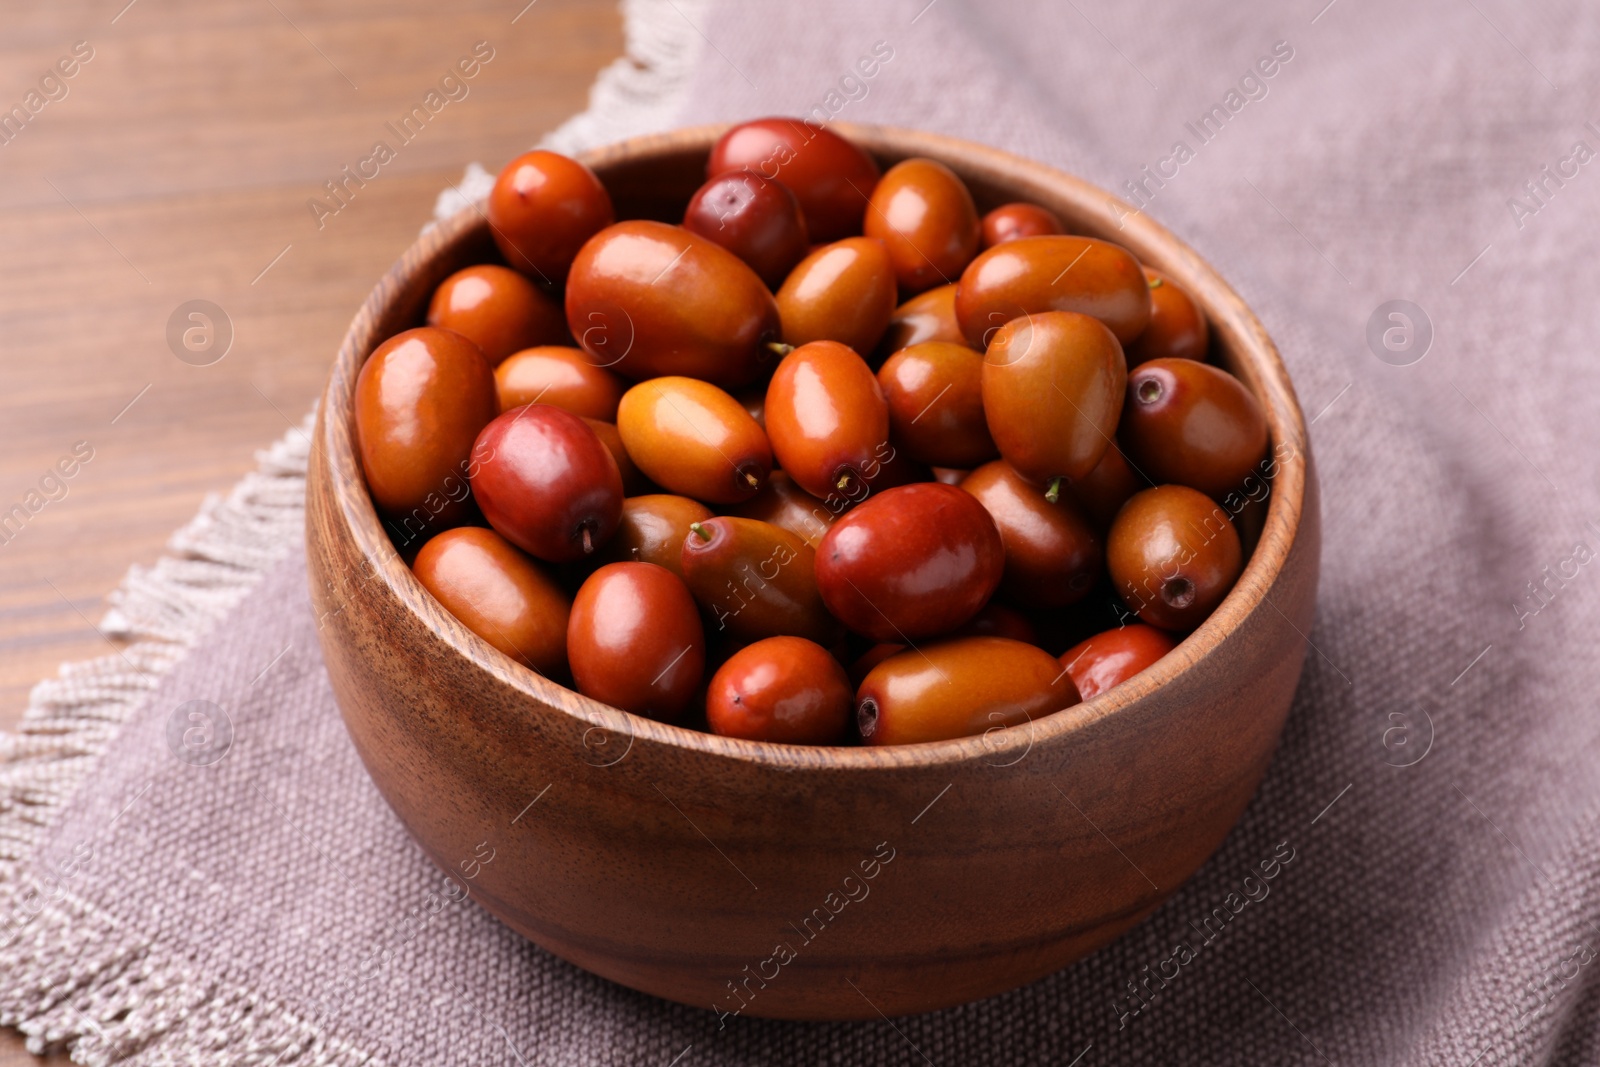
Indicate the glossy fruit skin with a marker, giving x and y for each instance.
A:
(997, 620)
(500, 594)
(1052, 393)
(755, 580)
(635, 640)
(1019, 219)
(826, 417)
(910, 562)
(1052, 553)
(960, 688)
(842, 292)
(692, 438)
(935, 394)
(652, 529)
(783, 689)
(949, 475)
(928, 316)
(543, 207)
(1192, 424)
(1104, 490)
(559, 375)
(925, 217)
(647, 299)
(1108, 659)
(1177, 329)
(758, 220)
(1173, 555)
(420, 400)
(547, 483)
(498, 310)
(830, 176)
(783, 503)
(1056, 273)
(634, 482)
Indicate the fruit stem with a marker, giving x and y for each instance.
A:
(1053, 493)
(588, 540)
(699, 531)
(779, 348)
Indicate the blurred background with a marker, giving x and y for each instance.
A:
(175, 164)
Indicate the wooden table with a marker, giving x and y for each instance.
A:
(176, 164)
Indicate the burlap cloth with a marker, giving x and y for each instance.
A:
(1432, 811)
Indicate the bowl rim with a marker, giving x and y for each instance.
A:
(1256, 358)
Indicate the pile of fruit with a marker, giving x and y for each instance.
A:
(837, 459)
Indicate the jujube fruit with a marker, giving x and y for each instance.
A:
(500, 594)
(634, 640)
(925, 217)
(1108, 659)
(755, 580)
(543, 207)
(826, 418)
(1192, 424)
(1173, 555)
(647, 299)
(1018, 219)
(928, 316)
(934, 390)
(1052, 553)
(830, 176)
(842, 292)
(756, 219)
(420, 401)
(960, 688)
(910, 562)
(559, 375)
(1057, 273)
(498, 310)
(1177, 325)
(692, 438)
(546, 483)
(783, 689)
(652, 529)
(1052, 393)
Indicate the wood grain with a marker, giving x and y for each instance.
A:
(178, 166)
(689, 865)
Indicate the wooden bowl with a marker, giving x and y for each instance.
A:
(792, 882)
